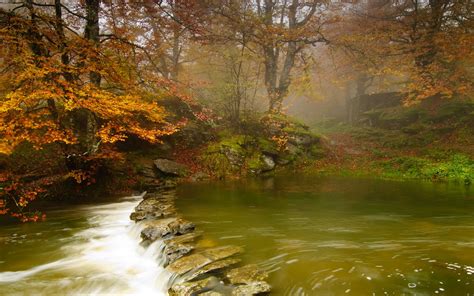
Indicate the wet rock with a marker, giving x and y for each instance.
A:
(246, 275)
(182, 239)
(169, 167)
(210, 286)
(174, 252)
(214, 266)
(253, 288)
(192, 288)
(188, 263)
(212, 293)
(199, 260)
(162, 228)
(154, 207)
(179, 246)
(222, 252)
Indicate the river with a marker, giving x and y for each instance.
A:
(313, 235)
(343, 236)
(89, 250)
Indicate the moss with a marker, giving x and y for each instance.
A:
(217, 163)
(267, 146)
(317, 151)
(235, 142)
(254, 162)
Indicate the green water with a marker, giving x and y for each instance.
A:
(342, 236)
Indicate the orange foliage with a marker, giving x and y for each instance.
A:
(48, 96)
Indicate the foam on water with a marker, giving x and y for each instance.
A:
(105, 258)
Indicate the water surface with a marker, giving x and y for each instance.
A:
(343, 236)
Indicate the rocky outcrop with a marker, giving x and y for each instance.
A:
(275, 141)
(170, 168)
(153, 208)
(164, 228)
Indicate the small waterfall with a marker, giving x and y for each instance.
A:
(105, 258)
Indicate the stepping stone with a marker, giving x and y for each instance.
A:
(246, 274)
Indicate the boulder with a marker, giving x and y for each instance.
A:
(192, 288)
(211, 267)
(169, 167)
(178, 246)
(157, 206)
(196, 261)
(163, 228)
(268, 163)
(188, 263)
(302, 139)
(210, 286)
(174, 252)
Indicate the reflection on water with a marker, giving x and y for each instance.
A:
(86, 250)
(335, 236)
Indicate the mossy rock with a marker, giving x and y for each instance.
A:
(259, 163)
(267, 146)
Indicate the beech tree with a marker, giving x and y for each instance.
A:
(427, 44)
(61, 84)
(279, 30)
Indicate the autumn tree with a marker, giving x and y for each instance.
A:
(279, 30)
(427, 44)
(61, 83)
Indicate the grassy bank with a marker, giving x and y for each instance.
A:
(420, 142)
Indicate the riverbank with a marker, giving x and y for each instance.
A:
(412, 143)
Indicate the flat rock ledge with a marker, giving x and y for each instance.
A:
(195, 271)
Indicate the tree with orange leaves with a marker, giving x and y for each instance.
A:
(63, 85)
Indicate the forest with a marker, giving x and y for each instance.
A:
(319, 126)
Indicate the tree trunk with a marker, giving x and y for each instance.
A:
(91, 33)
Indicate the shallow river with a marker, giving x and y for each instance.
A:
(315, 236)
(87, 250)
(339, 236)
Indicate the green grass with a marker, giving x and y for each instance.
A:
(458, 167)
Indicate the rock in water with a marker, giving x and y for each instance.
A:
(212, 267)
(178, 246)
(193, 288)
(162, 228)
(246, 275)
(169, 167)
(154, 207)
(254, 288)
(199, 260)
